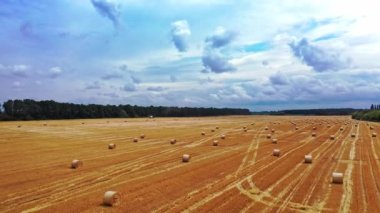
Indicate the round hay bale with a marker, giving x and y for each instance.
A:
(244, 127)
(19, 126)
(252, 124)
(313, 134)
(308, 159)
(274, 140)
(296, 128)
(276, 152)
(83, 123)
(111, 146)
(203, 133)
(111, 198)
(341, 129)
(215, 143)
(213, 130)
(332, 137)
(76, 164)
(135, 140)
(245, 130)
(374, 134)
(371, 127)
(328, 126)
(353, 135)
(266, 128)
(223, 137)
(142, 136)
(337, 177)
(273, 130)
(185, 158)
(216, 127)
(173, 141)
(269, 136)
(356, 125)
(314, 128)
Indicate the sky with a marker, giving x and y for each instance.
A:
(255, 54)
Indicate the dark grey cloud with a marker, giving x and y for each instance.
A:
(215, 62)
(155, 88)
(54, 72)
(135, 79)
(108, 9)
(93, 85)
(221, 37)
(129, 87)
(279, 79)
(319, 59)
(112, 76)
(180, 32)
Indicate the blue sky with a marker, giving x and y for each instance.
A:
(256, 54)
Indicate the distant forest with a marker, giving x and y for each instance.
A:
(373, 114)
(341, 111)
(40, 110)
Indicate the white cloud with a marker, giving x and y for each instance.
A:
(180, 33)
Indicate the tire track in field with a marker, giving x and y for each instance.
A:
(230, 185)
(295, 183)
(322, 203)
(346, 200)
(244, 178)
(86, 187)
(318, 178)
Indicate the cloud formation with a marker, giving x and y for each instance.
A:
(180, 32)
(221, 37)
(215, 62)
(55, 72)
(108, 9)
(319, 59)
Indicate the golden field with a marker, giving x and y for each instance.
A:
(239, 175)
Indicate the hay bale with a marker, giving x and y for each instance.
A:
(245, 130)
(314, 128)
(142, 136)
(111, 198)
(269, 136)
(296, 128)
(308, 159)
(273, 130)
(173, 141)
(135, 140)
(274, 140)
(341, 129)
(332, 137)
(185, 158)
(19, 126)
(313, 134)
(353, 135)
(252, 124)
(76, 164)
(244, 127)
(374, 134)
(223, 137)
(203, 133)
(266, 128)
(216, 127)
(276, 152)
(111, 146)
(215, 143)
(337, 177)
(371, 127)
(213, 130)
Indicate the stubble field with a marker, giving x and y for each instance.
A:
(238, 175)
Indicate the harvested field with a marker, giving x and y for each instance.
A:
(240, 174)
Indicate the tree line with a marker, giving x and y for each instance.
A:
(29, 109)
(334, 111)
(375, 107)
